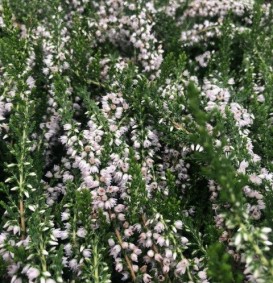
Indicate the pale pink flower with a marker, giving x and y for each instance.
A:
(32, 273)
(13, 268)
(65, 216)
(68, 249)
(260, 98)
(255, 179)
(67, 127)
(147, 278)
(159, 227)
(15, 279)
(135, 267)
(160, 241)
(115, 250)
(73, 264)
(125, 276)
(166, 268)
(168, 253)
(202, 275)
(81, 232)
(128, 232)
(110, 203)
(56, 233)
(111, 242)
(181, 267)
(178, 224)
(148, 243)
(119, 267)
(86, 253)
(134, 257)
(158, 257)
(243, 165)
(30, 82)
(64, 234)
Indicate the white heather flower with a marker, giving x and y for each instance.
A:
(15, 279)
(137, 144)
(121, 217)
(132, 246)
(3, 237)
(64, 234)
(49, 174)
(159, 227)
(111, 242)
(68, 249)
(168, 253)
(178, 224)
(81, 232)
(148, 243)
(119, 208)
(261, 98)
(13, 268)
(166, 268)
(2, 24)
(134, 257)
(119, 267)
(158, 257)
(30, 82)
(64, 261)
(65, 216)
(146, 143)
(266, 230)
(166, 261)
(231, 81)
(128, 232)
(256, 213)
(115, 250)
(202, 275)
(255, 179)
(181, 267)
(86, 253)
(125, 276)
(184, 240)
(110, 203)
(147, 278)
(67, 127)
(32, 273)
(56, 233)
(243, 165)
(160, 241)
(16, 230)
(137, 227)
(135, 267)
(73, 264)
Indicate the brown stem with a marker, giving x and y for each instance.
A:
(180, 127)
(126, 257)
(22, 219)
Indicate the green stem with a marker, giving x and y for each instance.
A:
(22, 180)
(96, 270)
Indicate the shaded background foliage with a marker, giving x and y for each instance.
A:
(242, 51)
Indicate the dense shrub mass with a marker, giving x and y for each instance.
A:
(136, 141)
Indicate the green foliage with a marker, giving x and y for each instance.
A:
(221, 265)
(139, 129)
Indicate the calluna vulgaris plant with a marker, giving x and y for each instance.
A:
(136, 141)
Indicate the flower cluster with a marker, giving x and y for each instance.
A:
(135, 141)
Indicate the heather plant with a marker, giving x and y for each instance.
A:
(135, 141)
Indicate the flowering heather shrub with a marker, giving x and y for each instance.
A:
(136, 141)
